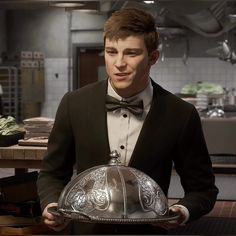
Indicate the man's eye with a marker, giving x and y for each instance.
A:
(132, 54)
(111, 52)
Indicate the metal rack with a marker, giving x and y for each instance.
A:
(9, 80)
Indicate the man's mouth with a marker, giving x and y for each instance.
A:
(122, 74)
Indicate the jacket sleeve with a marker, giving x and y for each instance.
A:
(193, 165)
(57, 166)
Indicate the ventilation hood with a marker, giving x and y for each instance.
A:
(209, 18)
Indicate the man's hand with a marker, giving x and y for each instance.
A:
(56, 223)
(174, 223)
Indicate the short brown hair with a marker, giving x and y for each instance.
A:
(131, 22)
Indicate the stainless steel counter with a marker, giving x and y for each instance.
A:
(220, 135)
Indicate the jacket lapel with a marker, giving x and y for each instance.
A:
(98, 124)
(150, 135)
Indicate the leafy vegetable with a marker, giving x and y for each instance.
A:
(203, 87)
(9, 126)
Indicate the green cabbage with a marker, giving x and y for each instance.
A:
(203, 87)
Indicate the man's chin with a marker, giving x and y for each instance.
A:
(121, 84)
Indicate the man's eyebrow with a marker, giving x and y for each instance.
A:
(110, 48)
(126, 50)
(137, 50)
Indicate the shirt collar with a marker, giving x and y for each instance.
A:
(145, 95)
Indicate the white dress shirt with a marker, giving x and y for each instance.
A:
(123, 126)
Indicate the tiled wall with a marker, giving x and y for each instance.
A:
(172, 74)
(56, 84)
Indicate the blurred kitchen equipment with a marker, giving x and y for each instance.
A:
(202, 101)
(204, 95)
(223, 52)
(232, 95)
(216, 107)
(113, 193)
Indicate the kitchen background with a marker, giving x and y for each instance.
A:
(198, 45)
(58, 33)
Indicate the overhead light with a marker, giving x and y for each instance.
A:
(149, 2)
(66, 4)
(88, 6)
(232, 17)
(87, 10)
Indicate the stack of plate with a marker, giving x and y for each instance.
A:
(38, 127)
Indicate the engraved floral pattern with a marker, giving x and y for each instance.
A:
(151, 196)
(89, 193)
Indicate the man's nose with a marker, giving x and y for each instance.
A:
(120, 61)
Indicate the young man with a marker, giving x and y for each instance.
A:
(167, 131)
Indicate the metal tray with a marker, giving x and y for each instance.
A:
(171, 216)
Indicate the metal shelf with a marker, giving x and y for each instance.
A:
(9, 80)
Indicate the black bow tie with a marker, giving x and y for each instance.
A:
(136, 107)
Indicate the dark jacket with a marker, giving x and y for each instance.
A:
(171, 134)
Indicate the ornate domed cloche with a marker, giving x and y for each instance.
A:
(114, 193)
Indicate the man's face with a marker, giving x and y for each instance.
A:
(128, 64)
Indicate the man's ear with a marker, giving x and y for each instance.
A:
(153, 57)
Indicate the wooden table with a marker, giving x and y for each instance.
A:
(22, 158)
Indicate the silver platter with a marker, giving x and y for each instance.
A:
(171, 216)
